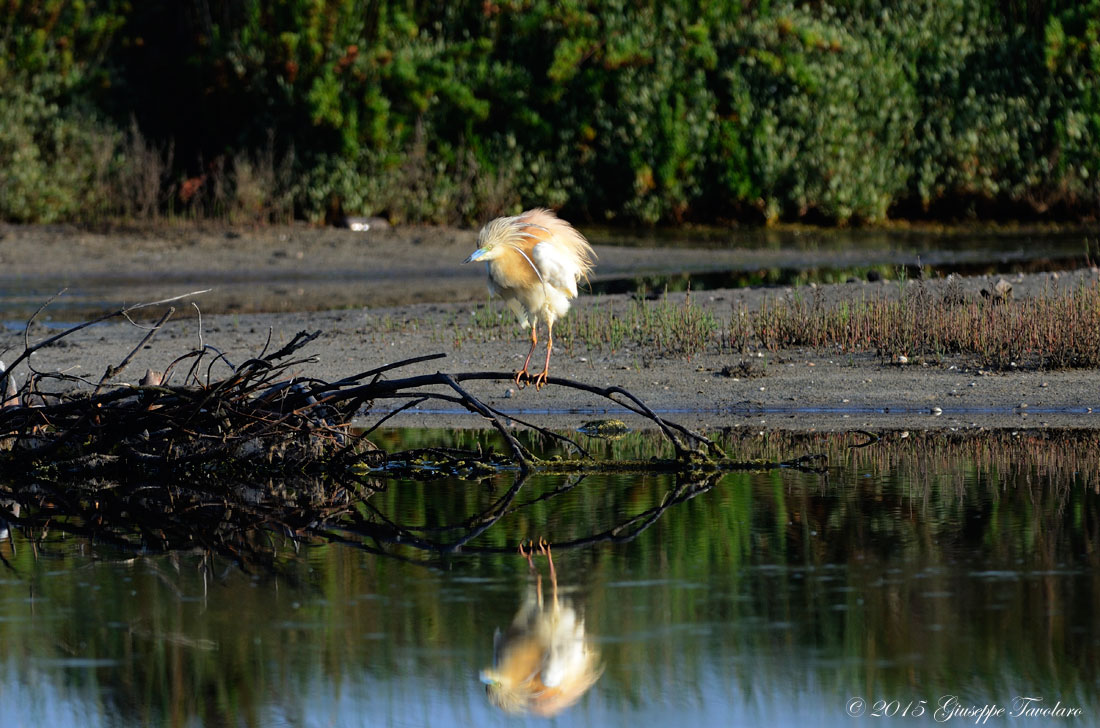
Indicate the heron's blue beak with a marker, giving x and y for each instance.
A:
(475, 255)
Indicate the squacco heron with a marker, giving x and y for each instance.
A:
(535, 260)
(544, 662)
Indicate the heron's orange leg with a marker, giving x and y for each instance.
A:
(540, 378)
(527, 551)
(522, 375)
(545, 548)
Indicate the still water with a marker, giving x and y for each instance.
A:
(908, 571)
(771, 257)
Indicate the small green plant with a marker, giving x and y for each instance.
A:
(672, 329)
(486, 318)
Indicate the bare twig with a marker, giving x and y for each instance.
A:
(198, 313)
(115, 371)
(28, 349)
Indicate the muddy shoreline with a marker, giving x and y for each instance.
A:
(793, 389)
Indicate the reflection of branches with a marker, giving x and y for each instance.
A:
(629, 529)
(240, 521)
(356, 529)
(473, 526)
(235, 521)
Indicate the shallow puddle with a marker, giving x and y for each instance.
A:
(768, 258)
(917, 573)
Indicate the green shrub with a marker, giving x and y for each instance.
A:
(982, 125)
(626, 110)
(826, 110)
(1072, 57)
(56, 152)
(54, 164)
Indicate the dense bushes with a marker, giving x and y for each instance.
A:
(55, 150)
(613, 109)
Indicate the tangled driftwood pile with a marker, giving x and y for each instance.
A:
(186, 459)
(174, 420)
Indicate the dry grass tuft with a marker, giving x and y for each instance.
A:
(1052, 331)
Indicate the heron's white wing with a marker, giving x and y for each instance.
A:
(556, 268)
(566, 655)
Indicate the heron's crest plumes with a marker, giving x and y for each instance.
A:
(539, 225)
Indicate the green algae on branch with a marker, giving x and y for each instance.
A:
(607, 429)
(426, 463)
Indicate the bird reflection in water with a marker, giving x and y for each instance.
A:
(543, 663)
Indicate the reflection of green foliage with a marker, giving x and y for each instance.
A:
(946, 562)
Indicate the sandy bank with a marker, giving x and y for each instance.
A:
(796, 389)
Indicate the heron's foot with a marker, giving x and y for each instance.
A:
(544, 549)
(524, 378)
(527, 551)
(540, 379)
(521, 378)
(529, 547)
